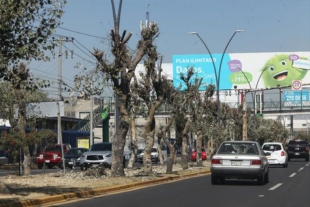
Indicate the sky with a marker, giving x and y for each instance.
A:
(269, 26)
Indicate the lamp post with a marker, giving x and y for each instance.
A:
(217, 74)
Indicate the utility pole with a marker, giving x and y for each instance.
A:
(59, 130)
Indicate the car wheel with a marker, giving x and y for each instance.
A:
(214, 180)
(289, 159)
(307, 158)
(261, 179)
(285, 164)
(83, 168)
(141, 162)
(267, 177)
(40, 166)
(50, 166)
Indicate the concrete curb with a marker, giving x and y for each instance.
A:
(99, 191)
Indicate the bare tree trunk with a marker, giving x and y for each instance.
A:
(184, 156)
(198, 148)
(147, 162)
(134, 147)
(118, 144)
(119, 140)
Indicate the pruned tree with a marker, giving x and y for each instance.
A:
(202, 117)
(120, 72)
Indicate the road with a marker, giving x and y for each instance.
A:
(287, 187)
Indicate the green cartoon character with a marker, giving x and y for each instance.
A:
(278, 71)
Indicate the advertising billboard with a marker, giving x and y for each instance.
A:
(244, 70)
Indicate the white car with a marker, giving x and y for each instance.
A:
(278, 155)
(154, 155)
(239, 160)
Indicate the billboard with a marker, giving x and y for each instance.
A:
(244, 70)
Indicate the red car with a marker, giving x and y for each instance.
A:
(52, 156)
(194, 154)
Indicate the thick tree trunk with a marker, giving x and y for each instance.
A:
(118, 144)
(119, 140)
(134, 147)
(184, 156)
(147, 161)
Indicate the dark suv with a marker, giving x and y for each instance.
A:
(298, 149)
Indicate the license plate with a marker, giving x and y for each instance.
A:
(236, 163)
(95, 165)
(47, 161)
(271, 161)
(70, 163)
(296, 153)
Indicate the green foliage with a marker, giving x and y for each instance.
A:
(12, 141)
(25, 27)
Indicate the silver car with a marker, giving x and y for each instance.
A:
(98, 154)
(239, 160)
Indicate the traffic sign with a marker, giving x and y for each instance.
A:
(296, 85)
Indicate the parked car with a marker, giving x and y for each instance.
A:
(194, 154)
(51, 156)
(100, 153)
(72, 157)
(298, 149)
(154, 155)
(3, 158)
(239, 160)
(278, 155)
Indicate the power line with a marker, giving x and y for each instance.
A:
(80, 33)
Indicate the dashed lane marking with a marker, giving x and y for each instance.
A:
(292, 175)
(276, 186)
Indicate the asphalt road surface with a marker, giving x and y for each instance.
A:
(287, 187)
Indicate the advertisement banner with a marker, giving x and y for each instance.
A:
(244, 70)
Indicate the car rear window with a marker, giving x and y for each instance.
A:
(272, 147)
(238, 148)
(294, 142)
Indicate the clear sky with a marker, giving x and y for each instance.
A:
(270, 26)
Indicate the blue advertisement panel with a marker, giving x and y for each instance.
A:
(296, 98)
(244, 70)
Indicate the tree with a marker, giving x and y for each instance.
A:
(25, 27)
(120, 73)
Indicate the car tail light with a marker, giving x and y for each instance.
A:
(307, 148)
(256, 162)
(216, 161)
(282, 153)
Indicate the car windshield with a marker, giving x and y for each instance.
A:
(272, 147)
(238, 148)
(74, 152)
(101, 147)
(53, 148)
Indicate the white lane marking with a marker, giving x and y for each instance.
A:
(292, 175)
(261, 196)
(276, 186)
(307, 164)
(301, 169)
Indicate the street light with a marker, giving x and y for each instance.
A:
(217, 75)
